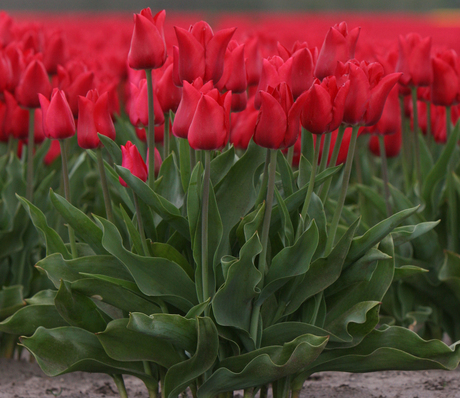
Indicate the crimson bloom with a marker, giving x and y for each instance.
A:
(34, 81)
(243, 125)
(138, 106)
(338, 46)
(148, 47)
(322, 106)
(278, 123)
(369, 89)
(94, 117)
(132, 160)
(201, 52)
(445, 87)
(414, 60)
(58, 121)
(16, 122)
(393, 143)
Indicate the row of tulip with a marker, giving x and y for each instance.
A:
(245, 249)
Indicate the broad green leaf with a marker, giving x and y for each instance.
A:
(450, 272)
(390, 348)
(290, 262)
(164, 250)
(133, 232)
(155, 276)
(123, 344)
(43, 297)
(317, 213)
(26, 320)
(377, 200)
(168, 212)
(232, 304)
(198, 309)
(11, 299)
(57, 268)
(287, 177)
(304, 172)
(54, 243)
(179, 331)
(254, 218)
(321, 274)
(70, 349)
(406, 233)
(86, 229)
(184, 160)
(287, 230)
(263, 366)
(281, 333)
(179, 376)
(374, 235)
(407, 271)
(170, 186)
(112, 147)
(78, 310)
(221, 164)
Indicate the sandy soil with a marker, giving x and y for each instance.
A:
(21, 379)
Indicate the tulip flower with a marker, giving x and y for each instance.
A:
(148, 47)
(58, 121)
(323, 105)
(34, 81)
(445, 87)
(138, 108)
(16, 121)
(243, 125)
(253, 60)
(274, 72)
(278, 123)
(201, 52)
(414, 60)
(132, 160)
(55, 52)
(210, 126)
(168, 94)
(393, 144)
(158, 161)
(338, 46)
(234, 76)
(94, 117)
(53, 152)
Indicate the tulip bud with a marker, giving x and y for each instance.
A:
(34, 81)
(132, 160)
(58, 121)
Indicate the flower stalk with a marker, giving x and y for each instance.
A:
(204, 228)
(30, 156)
(383, 158)
(151, 128)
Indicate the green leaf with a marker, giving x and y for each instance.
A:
(168, 212)
(406, 271)
(406, 233)
(438, 173)
(450, 272)
(132, 230)
(377, 200)
(57, 268)
(179, 331)
(232, 304)
(290, 262)
(78, 310)
(86, 229)
(170, 185)
(263, 366)
(155, 276)
(287, 177)
(70, 349)
(112, 147)
(304, 172)
(221, 164)
(164, 250)
(250, 224)
(374, 235)
(184, 160)
(54, 243)
(11, 300)
(179, 376)
(123, 344)
(287, 230)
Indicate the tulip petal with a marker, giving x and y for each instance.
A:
(271, 124)
(191, 56)
(215, 53)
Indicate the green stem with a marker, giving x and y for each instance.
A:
(311, 185)
(383, 157)
(166, 137)
(10, 145)
(326, 146)
(30, 156)
(448, 121)
(118, 379)
(290, 155)
(140, 225)
(153, 393)
(335, 154)
(65, 178)
(248, 393)
(151, 130)
(418, 164)
(105, 186)
(262, 265)
(192, 158)
(343, 192)
(204, 228)
(406, 146)
(264, 391)
(263, 186)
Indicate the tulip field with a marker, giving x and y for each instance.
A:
(234, 204)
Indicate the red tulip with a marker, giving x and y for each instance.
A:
(278, 123)
(34, 81)
(132, 160)
(210, 126)
(253, 60)
(168, 94)
(3, 135)
(53, 152)
(39, 134)
(243, 125)
(369, 89)
(58, 121)
(158, 161)
(322, 106)
(201, 52)
(338, 46)
(393, 144)
(138, 109)
(148, 47)
(414, 60)
(55, 52)
(16, 118)
(234, 76)
(274, 72)
(445, 87)
(94, 117)
(6, 24)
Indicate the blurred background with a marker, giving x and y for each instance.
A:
(233, 5)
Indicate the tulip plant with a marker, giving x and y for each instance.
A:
(252, 247)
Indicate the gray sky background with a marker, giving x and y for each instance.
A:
(233, 5)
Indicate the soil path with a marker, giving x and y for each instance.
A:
(21, 379)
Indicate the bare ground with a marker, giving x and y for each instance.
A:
(21, 379)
